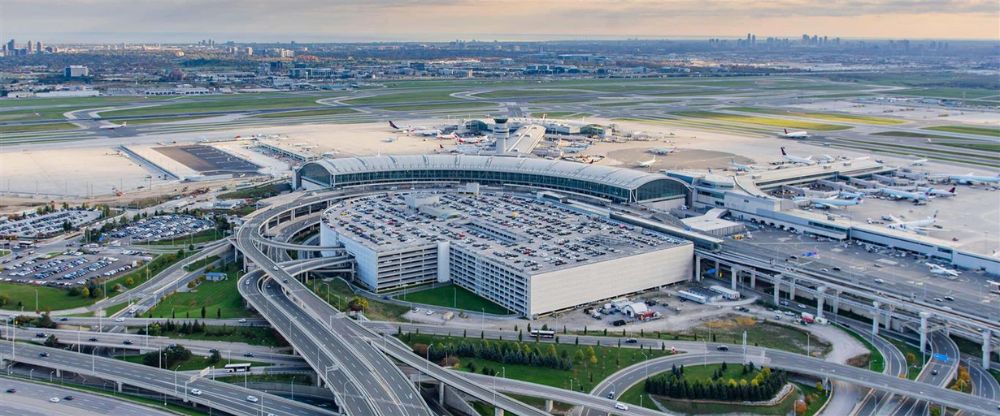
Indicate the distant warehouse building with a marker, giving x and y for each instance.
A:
(531, 255)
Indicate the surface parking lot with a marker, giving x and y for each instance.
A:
(162, 227)
(34, 225)
(70, 268)
(208, 160)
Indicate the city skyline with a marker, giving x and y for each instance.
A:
(516, 20)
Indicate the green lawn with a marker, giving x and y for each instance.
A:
(253, 335)
(338, 294)
(152, 120)
(201, 263)
(148, 270)
(303, 379)
(633, 393)
(875, 359)
(912, 371)
(981, 131)
(49, 298)
(584, 375)
(225, 103)
(913, 135)
(504, 94)
(964, 93)
(996, 374)
(221, 296)
(764, 121)
(405, 97)
(844, 118)
(986, 147)
(196, 362)
(27, 128)
(302, 113)
(769, 335)
(470, 106)
(454, 297)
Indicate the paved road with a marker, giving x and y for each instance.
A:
(217, 395)
(936, 373)
(895, 365)
(32, 399)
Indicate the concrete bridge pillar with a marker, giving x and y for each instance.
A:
(987, 339)
(753, 278)
(791, 291)
(441, 387)
(497, 411)
(777, 289)
(923, 329)
(58, 373)
(836, 302)
(820, 297)
(888, 316)
(118, 386)
(697, 269)
(734, 278)
(875, 315)
(548, 406)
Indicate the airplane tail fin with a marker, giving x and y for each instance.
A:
(783, 152)
(952, 190)
(786, 131)
(393, 125)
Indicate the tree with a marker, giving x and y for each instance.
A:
(358, 303)
(129, 282)
(911, 358)
(218, 313)
(215, 358)
(51, 341)
(202, 311)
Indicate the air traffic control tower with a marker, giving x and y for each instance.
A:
(500, 134)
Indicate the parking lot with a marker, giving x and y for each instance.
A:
(70, 268)
(161, 227)
(35, 225)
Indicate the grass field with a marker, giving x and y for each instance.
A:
(912, 371)
(49, 298)
(146, 271)
(196, 362)
(405, 97)
(252, 335)
(764, 121)
(633, 393)
(915, 135)
(981, 131)
(303, 379)
(28, 128)
(584, 375)
(876, 360)
(453, 296)
(843, 118)
(540, 92)
(961, 93)
(996, 374)
(470, 106)
(238, 102)
(152, 120)
(338, 294)
(203, 236)
(986, 147)
(216, 297)
(781, 337)
(302, 113)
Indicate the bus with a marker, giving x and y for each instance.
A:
(994, 287)
(237, 368)
(541, 333)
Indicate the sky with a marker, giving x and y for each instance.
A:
(65, 21)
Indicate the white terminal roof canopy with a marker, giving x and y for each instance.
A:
(624, 178)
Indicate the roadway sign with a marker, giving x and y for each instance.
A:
(941, 357)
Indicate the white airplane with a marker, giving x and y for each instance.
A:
(941, 270)
(808, 160)
(938, 193)
(801, 134)
(899, 194)
(917, 226)
(449, 136)
(662, 150)
(919, 162)
(646, 163)
(971, 179)
(742, 168)
(113, 126)
(828, 203)
(418, 130)
(470, 140)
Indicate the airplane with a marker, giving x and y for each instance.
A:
(828, 203)
(113, 126)
(741, 168)
(971, 179)
(938, 192)
(662, 150)
(917, 226)
(801, 134)
(941, 270)
(449, 136)
(646, 163)
(919, 162)
(470, 140)
(899, 194)
(797, 159)
(418, 130)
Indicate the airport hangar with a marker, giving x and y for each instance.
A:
(539, 237)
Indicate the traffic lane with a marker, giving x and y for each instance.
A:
(381, 393)
(33, 398)
(984, 384)
(150, 378)
(597, 403)
(349, 395)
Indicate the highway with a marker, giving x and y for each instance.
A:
(791, 362)
(936, 372)
(217, 395)
(895, 365)
(353, 336)
(32, 399)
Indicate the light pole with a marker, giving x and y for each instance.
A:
(428, 359)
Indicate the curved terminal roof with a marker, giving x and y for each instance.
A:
(627, 179)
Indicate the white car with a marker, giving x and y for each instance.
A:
(196, 392)
(119, 319)
(243, 320)
(621, 406)
(54, 400)
(252, 399)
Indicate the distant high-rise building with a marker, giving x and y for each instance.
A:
(28, 48)
(76, 71)
(11, 47)
(39, 47)
(249, 51)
